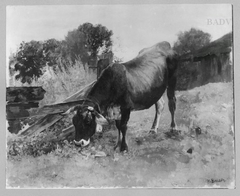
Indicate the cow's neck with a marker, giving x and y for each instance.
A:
(100, 94)
(109, 88)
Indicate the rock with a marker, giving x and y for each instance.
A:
(139, 141)
(100, 147)
(190, 150)
(100, 154)
(198, 131)
(115, 158)
(224, 106)
(208, 158)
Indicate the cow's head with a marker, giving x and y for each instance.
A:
(85, 122)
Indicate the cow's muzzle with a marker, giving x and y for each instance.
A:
(82, 142)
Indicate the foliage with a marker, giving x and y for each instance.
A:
(87, 40)
(32, 57)
(57, 55)
(29, 61)
(190, 41)
(75, 42)
(82, 44)
(97, 36)
(59, 85)
(19, 147)
(28, 146)
(41, 143)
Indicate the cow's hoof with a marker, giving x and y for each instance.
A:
(153, 131)
(174, 129)
(124, 148)
(118, 145)
(125, 152)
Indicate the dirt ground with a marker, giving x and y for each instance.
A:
(201, 154)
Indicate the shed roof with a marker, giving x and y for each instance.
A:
(219, 46)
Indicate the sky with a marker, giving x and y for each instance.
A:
(134, 26)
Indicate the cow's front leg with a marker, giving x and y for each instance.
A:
(159, 106)
(172, 108)
(122, 127)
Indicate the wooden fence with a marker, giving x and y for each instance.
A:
(19, 101)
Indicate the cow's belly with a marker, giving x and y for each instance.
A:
(144, 99)
(146, 85)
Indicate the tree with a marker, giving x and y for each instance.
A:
(76, 45)
(29, 61)
(190, 41)
(57, 54)
(88, 40)
(82, 44)
(97, 36)
(32, 57)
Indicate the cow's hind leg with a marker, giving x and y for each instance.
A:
(118, 144)
(122, 128)
(159, 106)
(172, 101)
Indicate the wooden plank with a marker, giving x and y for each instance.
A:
(19, 110)
(23, 94)
(14, 113)
(42, 124)
(55, 108)
(19, 100)
(81, 93)
(66, 132)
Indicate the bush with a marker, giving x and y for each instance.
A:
(20, 146)
(44, 143)
(60, 85)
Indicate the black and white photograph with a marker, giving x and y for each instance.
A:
(109, 96)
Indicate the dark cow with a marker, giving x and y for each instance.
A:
(134, 85)
(101, 65)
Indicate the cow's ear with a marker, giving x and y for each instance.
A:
(100, 119)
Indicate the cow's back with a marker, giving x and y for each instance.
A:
(147, 75)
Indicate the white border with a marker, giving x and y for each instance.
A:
(106, 192)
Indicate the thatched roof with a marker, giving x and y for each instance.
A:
(219, 46)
